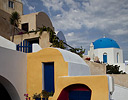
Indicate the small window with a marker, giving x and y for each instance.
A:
(105, 57)
(117, 57)
(25, 27)
(26, 45)
(11, 4)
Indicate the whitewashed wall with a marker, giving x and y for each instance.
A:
(7, 44)
(120, 93)
(76, 65)
(111, 54)
(120, 60)
(13, 68)
(36, 47)
(126, 69)
(100, 52)
(77, 69)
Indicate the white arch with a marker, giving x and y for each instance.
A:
(10, 88)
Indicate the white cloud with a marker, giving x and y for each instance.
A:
(54, 4)
(70, 34)
(78, 40)
(103, 16)
(100, 14)
(30, 8)
(109, 16)
(119, 32)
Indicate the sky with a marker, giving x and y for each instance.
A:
(84, 21)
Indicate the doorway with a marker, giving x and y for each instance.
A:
(75, 92)
(49, 77)
(79, 95)
(4, 95)
(105, 57)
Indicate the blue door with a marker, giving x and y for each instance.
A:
(105, 58)
(49, 77)
(80, 95)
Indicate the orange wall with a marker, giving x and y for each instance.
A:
(98, 84)
(34, 68)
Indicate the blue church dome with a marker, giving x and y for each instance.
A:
(105, 43)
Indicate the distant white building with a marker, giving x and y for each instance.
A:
(108, 51)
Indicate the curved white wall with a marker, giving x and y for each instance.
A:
(76, 65)
(71, 57)
(7, 44)
(36, 47)
(75, 69)
(13, 67)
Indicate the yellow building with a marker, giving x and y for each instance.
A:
(51, 69)
(65, 74)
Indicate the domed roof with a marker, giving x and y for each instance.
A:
(105, 43)
(61, 36)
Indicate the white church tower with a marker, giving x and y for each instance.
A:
(108, 51)
(91, 52)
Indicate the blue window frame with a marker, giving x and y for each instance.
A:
(24, 47)
(49, 77)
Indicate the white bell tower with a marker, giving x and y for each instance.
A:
(91, 52)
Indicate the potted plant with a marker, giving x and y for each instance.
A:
(44, 95)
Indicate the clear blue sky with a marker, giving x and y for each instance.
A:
(84, 21)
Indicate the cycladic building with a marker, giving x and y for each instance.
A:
(108, 51)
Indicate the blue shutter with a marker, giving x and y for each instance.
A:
(25, 46)
(49, 77)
